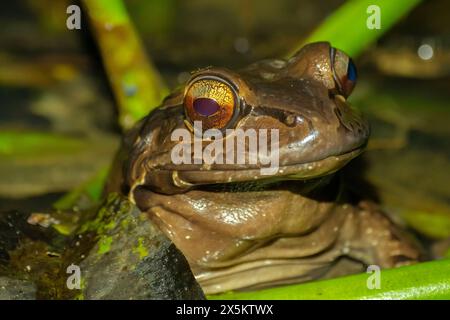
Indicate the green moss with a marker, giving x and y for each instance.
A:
(125, 223)
(104, 244)
(107, 219)
(64, 229)
(103, 221)
(109, 226)
(80, 295)
(141, 250)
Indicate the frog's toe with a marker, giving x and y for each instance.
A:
(373, 238)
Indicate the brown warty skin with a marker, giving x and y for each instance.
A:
(242, 230)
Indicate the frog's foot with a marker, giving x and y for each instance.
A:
(369, 236)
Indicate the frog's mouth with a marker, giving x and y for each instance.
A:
(176, 181)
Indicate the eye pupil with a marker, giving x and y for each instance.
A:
(351, 71)
(206, 106)
(211, 100)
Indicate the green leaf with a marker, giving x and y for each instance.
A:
(347, 29)
(136, 83)
(30, 143)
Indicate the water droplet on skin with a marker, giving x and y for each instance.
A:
(278, 64)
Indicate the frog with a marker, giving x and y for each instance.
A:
(239, 228)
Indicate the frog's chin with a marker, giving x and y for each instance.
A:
(176, 181)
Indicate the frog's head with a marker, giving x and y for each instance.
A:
(303, 99)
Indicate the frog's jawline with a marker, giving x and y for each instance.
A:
(304, 171)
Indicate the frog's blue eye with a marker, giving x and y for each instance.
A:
(206, 106)
(344, 71)
(351, 71)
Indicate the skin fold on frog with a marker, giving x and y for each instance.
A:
(243, 230)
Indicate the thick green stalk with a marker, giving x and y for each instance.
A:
(429, 280)
(346, 28)
(135, 81)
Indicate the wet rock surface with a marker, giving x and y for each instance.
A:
(134, 260)
(13, 289)
(117, 254)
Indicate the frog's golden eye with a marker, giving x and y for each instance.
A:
(344, 71)
(211, 100)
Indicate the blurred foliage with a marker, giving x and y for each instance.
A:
(28, 144)
(351, 20)
(92, 188)
(407, 157)
(35, 162)
(136, 83)
(155, 16)
(48, 13)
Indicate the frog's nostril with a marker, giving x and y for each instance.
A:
(206, 106)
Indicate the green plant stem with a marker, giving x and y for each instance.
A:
(135, 81)
(346, 28)
(429, 280)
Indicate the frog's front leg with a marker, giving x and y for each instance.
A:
(371, 237)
